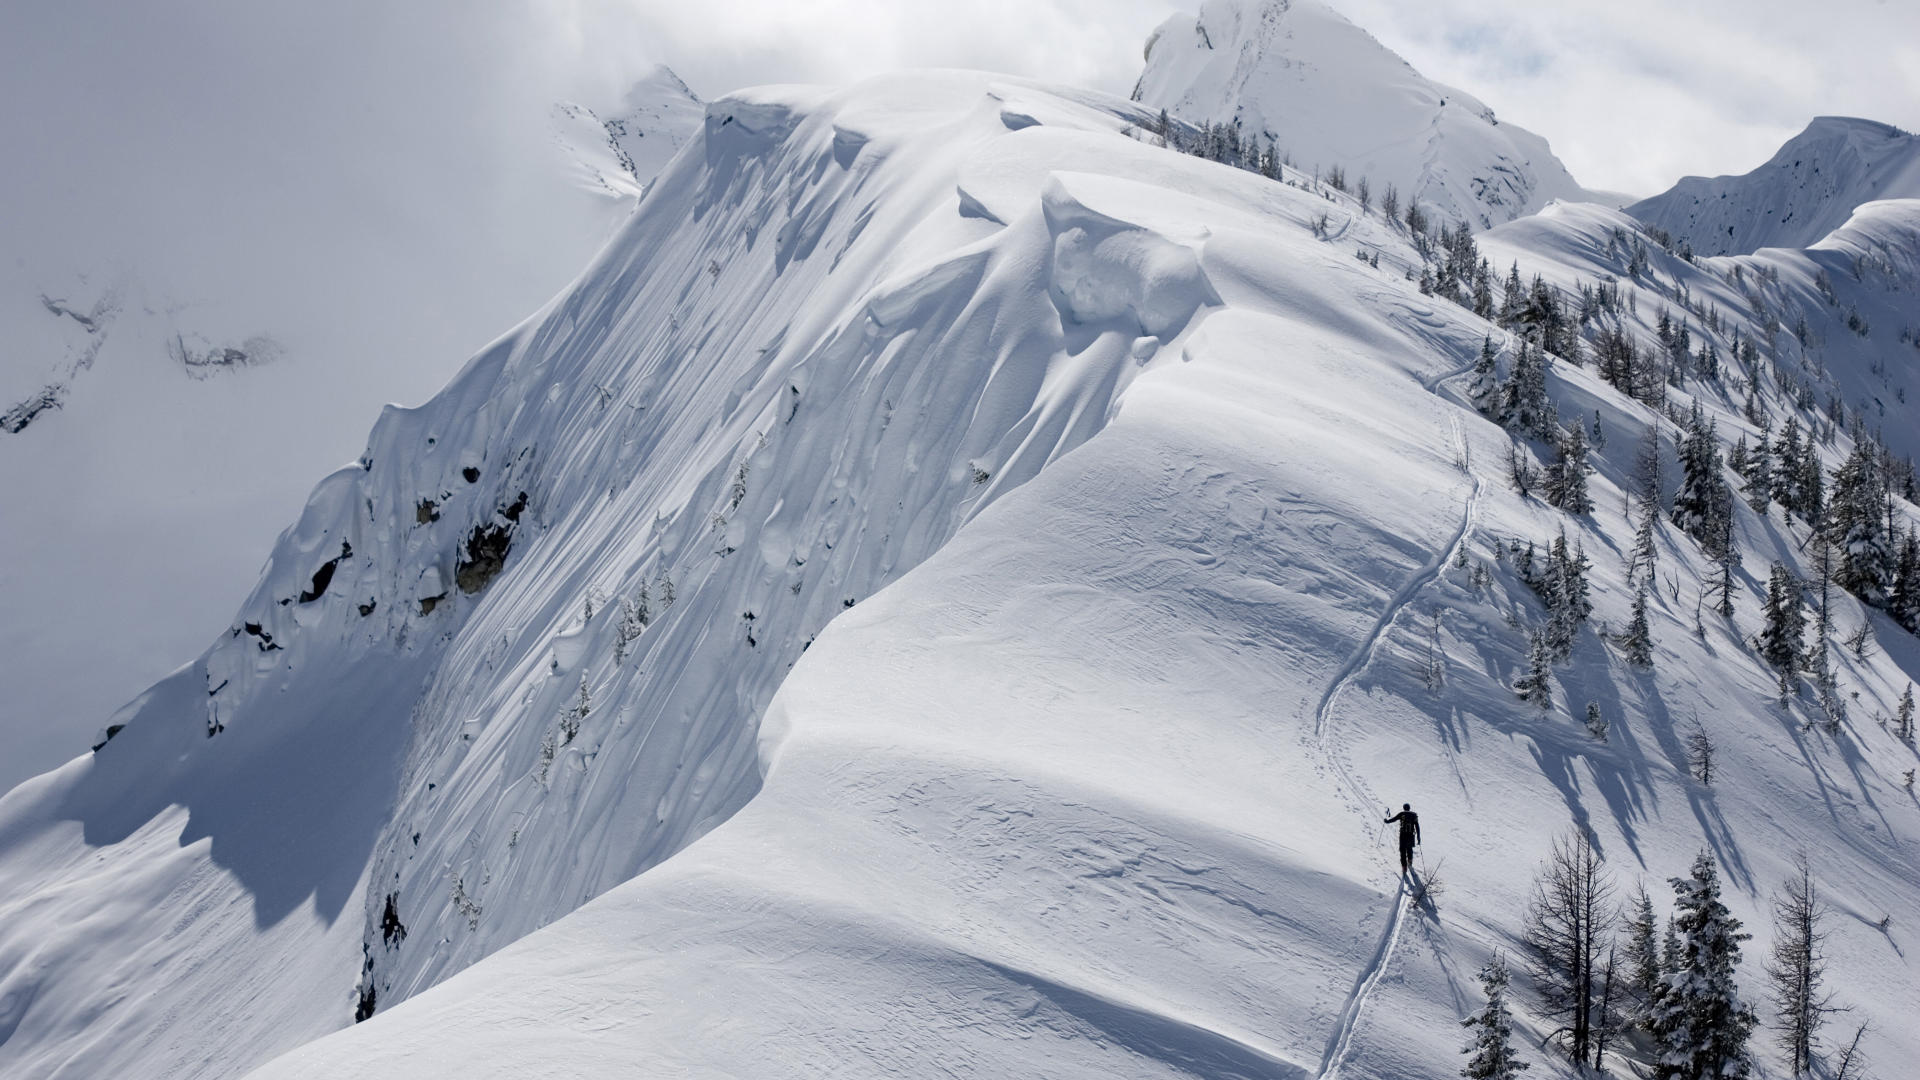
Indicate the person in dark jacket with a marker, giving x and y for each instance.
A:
(1409, 834)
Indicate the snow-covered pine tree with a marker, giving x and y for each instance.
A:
(1642, 959)
(1819, 661)
(1700, 1025)
(1904, 603)
(1596, 722)
(1856, 523)
(1781, 637)
(1703, 498)
(1787, 455)
(1536, 685)
(571, 717)
(1757, 476)
(633, 620)
(1567, 480)
(1491, 1048)
(1645, 555)
(1797, 967)
(1524, 407)
(1903, 718)
(1725, 553)
(1637, 642)
(1484, 390)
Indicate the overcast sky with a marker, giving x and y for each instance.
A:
(1632, 94)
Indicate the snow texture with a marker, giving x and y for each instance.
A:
(1040, 535)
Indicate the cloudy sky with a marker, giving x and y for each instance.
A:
(1633, 94)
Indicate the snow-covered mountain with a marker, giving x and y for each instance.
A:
(234, 405)
(953, 586)
(1330, 96)
(617, 154)
(1805, 191)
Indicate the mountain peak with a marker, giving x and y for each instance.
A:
(1809, 188)
(618, 153)
(1328, 94)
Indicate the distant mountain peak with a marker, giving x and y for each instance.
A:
(619, 152)
(1809, 188)
(1328, 94)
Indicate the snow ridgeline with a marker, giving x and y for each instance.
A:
(800, 367)
(1061, 798)
(1809, 188)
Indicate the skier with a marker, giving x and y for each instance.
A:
(1409, 834)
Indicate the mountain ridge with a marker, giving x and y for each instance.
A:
(1807, 189)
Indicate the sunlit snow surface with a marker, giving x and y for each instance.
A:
(1805, 191)
(1056, 529)
(1328, 95)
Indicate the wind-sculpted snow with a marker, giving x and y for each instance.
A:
(1051, 551)
(741, 420)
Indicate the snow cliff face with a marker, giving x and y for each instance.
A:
(1805, 191)
(957, 582)
(148, 421)
(619, 153)
(1328, 95)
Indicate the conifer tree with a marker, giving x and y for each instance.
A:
(1781, 637)
(1642, 959)
(1903, 719)
(1637, 642)
(1857, 525)
(1645, 556)
(1568, 920)
(1536, 685)
(1904, 603)
(1596, 722)
(1567, 482)
(1524, 407)
(1797, 967)
(633, 620)
(1787, 467)
(1700, 1025)
(1484, 390)
(1703, 498)
(1491, 1047)
(1758, 475)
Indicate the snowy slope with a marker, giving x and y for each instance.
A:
(619, 153)
(1041, 535)
(1805, 191)
(162, 414)
(1328, 94)
(1087, 792)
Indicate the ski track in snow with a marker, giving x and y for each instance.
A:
(1341, 1042)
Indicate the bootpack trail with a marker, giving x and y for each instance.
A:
(1340, 1044)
